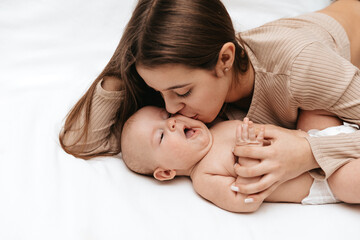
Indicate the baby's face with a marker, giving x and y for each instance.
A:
(175, 142)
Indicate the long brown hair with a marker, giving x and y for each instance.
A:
(187, 32)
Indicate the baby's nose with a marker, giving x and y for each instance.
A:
(172, 124)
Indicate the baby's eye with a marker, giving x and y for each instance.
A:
(161, 137)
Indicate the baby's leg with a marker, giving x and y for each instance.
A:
(316, 119)
(345, 182)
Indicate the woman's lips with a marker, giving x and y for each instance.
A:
(195, 117)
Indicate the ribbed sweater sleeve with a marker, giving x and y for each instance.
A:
(332, 83)
(102, 116)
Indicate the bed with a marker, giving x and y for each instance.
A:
(50, 51)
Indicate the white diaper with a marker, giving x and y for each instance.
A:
(320, 192)
(332, 131)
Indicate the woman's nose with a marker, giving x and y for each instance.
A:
(171, 124)
(173, 107)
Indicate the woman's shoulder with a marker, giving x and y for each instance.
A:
(273, 46)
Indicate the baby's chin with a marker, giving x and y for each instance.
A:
(209, 143)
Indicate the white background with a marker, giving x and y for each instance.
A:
(50, 51)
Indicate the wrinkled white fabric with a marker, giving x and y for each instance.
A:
(320, 193)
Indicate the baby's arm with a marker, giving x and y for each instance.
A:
(216, 189)
(220, 192)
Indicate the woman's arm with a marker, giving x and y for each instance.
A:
(112, 84)
(331, 83)
(99, 138)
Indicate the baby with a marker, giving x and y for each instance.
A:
(164, 146)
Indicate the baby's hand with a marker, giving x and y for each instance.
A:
(246, 134)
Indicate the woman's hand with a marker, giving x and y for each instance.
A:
(288, 155)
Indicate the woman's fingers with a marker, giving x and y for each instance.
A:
(251, 171)
(256, 188)
(252, 151)
(288, 155)
(260, 197)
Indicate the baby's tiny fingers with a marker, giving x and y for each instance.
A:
(252, 135)
(239, 141)
(245, 132)
(260, 136)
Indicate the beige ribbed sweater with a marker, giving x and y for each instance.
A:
(304, 63)
(300, 62)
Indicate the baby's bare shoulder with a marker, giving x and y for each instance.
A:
(225, 124)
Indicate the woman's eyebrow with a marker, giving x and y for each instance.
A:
(177, 86)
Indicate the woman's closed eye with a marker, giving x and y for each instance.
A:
(184, 95)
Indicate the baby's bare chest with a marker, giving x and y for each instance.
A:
(220, 160)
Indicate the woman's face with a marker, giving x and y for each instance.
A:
(195, 93)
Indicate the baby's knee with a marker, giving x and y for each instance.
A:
(316, 119)
(345, 182)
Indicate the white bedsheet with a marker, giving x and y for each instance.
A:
(50, 51)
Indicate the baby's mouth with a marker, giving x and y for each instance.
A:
(189, 132)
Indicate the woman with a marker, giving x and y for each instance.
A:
(187, 54)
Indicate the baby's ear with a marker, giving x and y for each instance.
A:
(164, 174)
